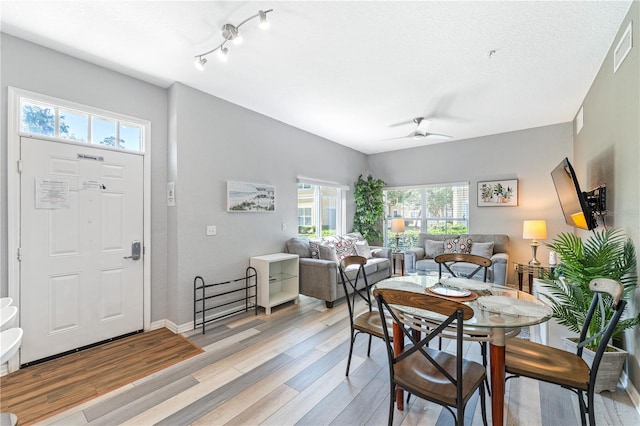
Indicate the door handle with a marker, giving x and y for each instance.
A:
(135, 250)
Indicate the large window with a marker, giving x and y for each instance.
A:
(320, 209)
(432, 209)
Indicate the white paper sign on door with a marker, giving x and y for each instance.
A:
(52, 193)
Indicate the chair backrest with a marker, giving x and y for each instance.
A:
(453, 312)
(350, 285)
(596, 314)
(449, 259)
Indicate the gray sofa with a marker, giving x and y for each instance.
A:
(320, 278)
(494, 246)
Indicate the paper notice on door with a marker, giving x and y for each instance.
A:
(91, 185)
(52, 193)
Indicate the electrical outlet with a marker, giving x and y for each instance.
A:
(211, 230)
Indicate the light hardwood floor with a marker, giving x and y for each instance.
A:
(289, 368)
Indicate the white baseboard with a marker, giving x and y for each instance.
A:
(633, 393)
(172, 326)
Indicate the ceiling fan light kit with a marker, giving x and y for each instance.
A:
(421, 133)
(231, 33)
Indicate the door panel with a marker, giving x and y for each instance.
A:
(77, 286)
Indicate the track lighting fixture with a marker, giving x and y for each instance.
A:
(231, 33)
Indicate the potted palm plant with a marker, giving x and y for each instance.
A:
(607, 254)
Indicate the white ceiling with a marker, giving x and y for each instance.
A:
(353, 72)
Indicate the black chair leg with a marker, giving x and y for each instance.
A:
(392, 402)
(369, 348)
(353, 337)
(483, 349)
(483, 405)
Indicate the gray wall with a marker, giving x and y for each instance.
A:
(213, 141)
(32, 67)
(607, 151)
(526, 155)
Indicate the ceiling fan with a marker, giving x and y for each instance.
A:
(421, 132)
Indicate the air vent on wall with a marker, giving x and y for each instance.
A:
(622, 48)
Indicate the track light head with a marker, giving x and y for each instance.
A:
(200, 61)
(223, 54)
(264, 23)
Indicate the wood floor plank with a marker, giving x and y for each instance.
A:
(262, 409)
(295, 409)
(186, 397)
(254, 394)
(112, 414)
(214, 399)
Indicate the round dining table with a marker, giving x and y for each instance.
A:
(499, 314)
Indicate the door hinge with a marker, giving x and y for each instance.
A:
(19, 166)
(19, 254)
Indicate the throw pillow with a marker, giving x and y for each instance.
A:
(450, 245)
(299, 246)
(457, 245)
(363, 249)
(314, 247)
(482, 249)
(328, 252)
(464, 245)
(344, 248)
(433, 248)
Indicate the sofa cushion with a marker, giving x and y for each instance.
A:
(363, 249)
(299, 246)
(433, 248)
(327, 252)
(457, 245)
(482, 249)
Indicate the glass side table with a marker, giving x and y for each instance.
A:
(532, 271)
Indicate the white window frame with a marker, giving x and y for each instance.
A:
(14, 135)
(91, 112)
(422, 218)
(341, 202)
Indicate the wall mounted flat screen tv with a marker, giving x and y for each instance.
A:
(574, 203)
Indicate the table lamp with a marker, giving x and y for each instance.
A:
(534, 230)
(397, 226)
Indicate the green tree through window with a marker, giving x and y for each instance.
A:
(42, 121)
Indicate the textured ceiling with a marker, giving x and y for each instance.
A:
(356, 72)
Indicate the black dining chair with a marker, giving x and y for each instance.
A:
(481, 264)
(548, 364)
(357, 289)
(441, 377)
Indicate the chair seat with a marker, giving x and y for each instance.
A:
(424, 380)
(370, 322)
(546, 363)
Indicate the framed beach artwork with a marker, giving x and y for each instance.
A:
(250, 197)
(498, 193)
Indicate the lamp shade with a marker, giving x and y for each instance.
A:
(397, 225)
(534, 229)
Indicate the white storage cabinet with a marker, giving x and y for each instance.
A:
(277, 279)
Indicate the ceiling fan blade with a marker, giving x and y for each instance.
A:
(437, 137)
(410, 135)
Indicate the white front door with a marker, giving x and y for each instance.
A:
(81, 208)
